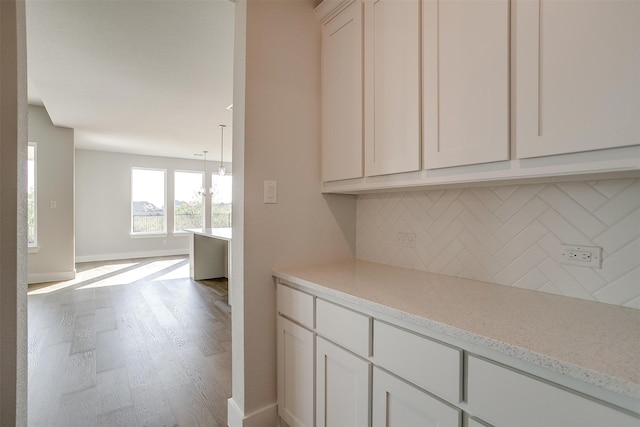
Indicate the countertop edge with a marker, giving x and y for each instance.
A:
(216, 233)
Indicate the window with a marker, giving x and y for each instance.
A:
(32, 213)
(148, 201)
(188, 212)
(221, 201)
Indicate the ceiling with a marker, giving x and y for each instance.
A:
(135, 76)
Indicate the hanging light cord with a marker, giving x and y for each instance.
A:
(221, 170)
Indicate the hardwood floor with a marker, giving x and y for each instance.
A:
(129, 343)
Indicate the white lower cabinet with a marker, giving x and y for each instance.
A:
(350, 369)
(397, 403)
(503, 397)
(295, 374)
(342, 387)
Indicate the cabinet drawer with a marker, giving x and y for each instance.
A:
(431, 365)
(343, 326)
(295, 305)
(504, 397)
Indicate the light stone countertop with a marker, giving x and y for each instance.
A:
(592, 342)
(217, 233)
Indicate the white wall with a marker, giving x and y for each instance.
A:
(55, 258)
(512, 234)
(13, 215)
(103, 206)
(276, 137)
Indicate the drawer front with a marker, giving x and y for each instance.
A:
(343, 326)
(504, 397)
(295, 305)
(428, 364)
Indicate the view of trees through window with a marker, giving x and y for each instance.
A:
(188, 212)
(148, 201)
(31, 196)
(220, 201)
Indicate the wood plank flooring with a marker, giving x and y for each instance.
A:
(129, 343)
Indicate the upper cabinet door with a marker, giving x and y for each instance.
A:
(465, 82)
(392, 86)
(577, 74)
(342, 95)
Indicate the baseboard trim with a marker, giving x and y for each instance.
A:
(266, 416)
(56, 276)
(131, 255)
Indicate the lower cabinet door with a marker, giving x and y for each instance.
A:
(399, 404)
(295, 374)
(342, 387)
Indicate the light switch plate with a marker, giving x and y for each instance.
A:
(271, 192)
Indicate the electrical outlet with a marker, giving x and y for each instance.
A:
(407, 240)
(584, 256)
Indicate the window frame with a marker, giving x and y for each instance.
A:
(203, 209)
(142, 234)
(33, 247)
(211, 203)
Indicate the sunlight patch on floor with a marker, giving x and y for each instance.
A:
(81, 276)
(118, 274)
(133, 275)
(181, 272)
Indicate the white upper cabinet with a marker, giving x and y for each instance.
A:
(392, 86)
(342, 144)
(465, 82)
(577, 73)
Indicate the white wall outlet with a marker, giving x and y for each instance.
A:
(407, 240)
(584, 256)
(53, 204)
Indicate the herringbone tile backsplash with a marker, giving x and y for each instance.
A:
(511, 235)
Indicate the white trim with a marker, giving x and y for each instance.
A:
(35, 195)
(590, 165)
(147, 235)
(203, 186)
(33, 249)
(166, 209)
(265, 416)
(56, 276)
(131, 255)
